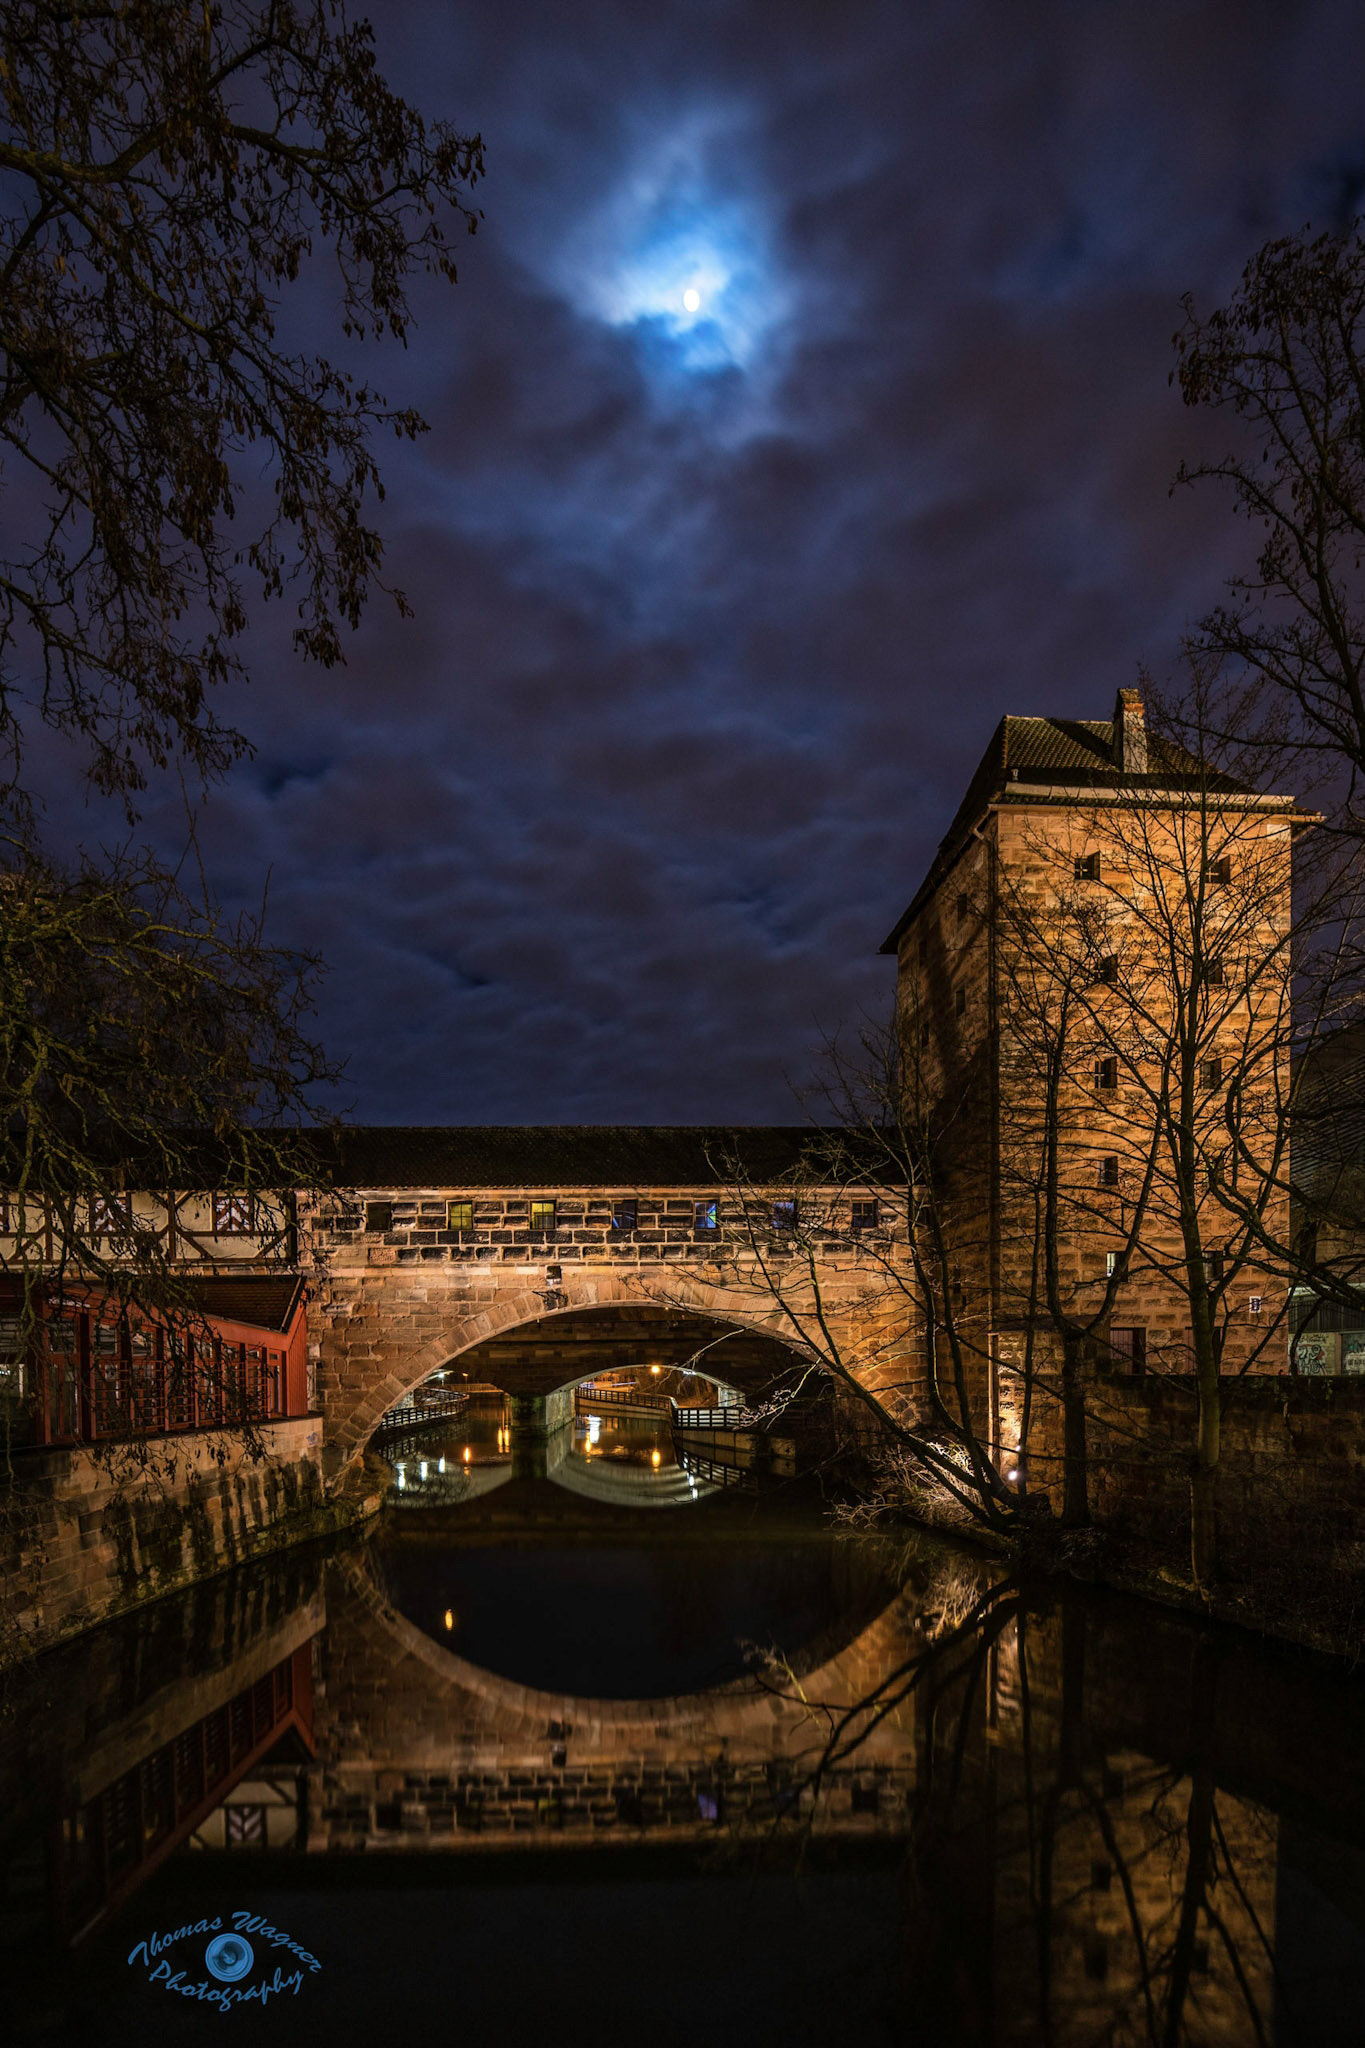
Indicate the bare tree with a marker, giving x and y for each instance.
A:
(173, 458)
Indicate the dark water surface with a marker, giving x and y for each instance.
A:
(503, 1771)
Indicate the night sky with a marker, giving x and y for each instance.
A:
(716, 610)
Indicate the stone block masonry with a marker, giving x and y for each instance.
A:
(87, 1535)
(404, 1297)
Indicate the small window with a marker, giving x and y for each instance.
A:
(234, 1216)
(1107, 1073)
(705, 1216)
(924, 1036)
(1101, 1874)
(1109, 969)
(1213, 974)
(1220, 870)
(961, 1002)
(1111, 1264)
(459, 1215)
(864, 1215)
(784, 1216)
(1254, 1304)
(1107, 1171)
(543, 1217)
(1128, 1348)
(1087, 867)
(5, 1228)
(964, 905)
(1211, 1073)
(1213, 1266)
(625, 1214)
(378, 1216)
(111, 1215)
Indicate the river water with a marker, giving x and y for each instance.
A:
(585, 1742)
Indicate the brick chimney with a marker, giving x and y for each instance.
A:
(1130, 733)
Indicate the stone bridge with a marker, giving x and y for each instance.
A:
(530, 1258)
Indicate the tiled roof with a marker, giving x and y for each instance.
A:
(620, 1157)
(1030, 756)
(264, 1300)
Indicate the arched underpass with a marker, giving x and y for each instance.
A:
(383, 1332)
(549, 1353)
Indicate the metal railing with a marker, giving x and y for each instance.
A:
(422, 1406)
(719, 1418)
(623, 1400)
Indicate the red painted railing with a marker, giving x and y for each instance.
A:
(110, 1845)
(92, 1373)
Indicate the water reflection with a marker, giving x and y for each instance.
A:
(619, 1450)
(1072, 1819)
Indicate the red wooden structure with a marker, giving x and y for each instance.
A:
(109, 1846)
(98, 1369)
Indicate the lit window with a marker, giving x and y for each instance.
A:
(378, 1216)
(1087, 867)
(1107, 1073)
(625, 1214)
(1111, 1262)
(111, 1215)
(864, 1215)
(705, 1216)
(459, 1215)
(1107, 1171)
(234, 1215)
(543, 1217)
(784, 1216)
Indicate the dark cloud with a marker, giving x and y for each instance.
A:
(712, 622)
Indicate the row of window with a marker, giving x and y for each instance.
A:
(1089, 869)
(112, 1215)
(1107, 1074)
(1215, 1267)
(625, 1216)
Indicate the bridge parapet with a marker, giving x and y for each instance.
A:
(418, 1267)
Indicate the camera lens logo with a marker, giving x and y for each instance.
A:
(229, 1956)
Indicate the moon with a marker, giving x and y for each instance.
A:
(691, 299)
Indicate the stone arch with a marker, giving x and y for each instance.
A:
(394, 1334)
(741, 1711)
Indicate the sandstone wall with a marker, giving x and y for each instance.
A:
(89, 1534)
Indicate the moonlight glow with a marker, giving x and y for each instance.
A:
(667, 255)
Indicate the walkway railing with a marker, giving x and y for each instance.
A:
(422, 1406)
(720, 1418)
(621, 1400)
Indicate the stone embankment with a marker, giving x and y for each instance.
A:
(88, 1533)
